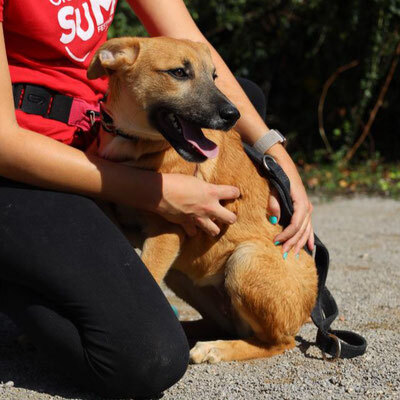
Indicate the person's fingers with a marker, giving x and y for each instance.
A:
(208, 226)
(190, 228)
(311, 240)
(225, 192)
(290, 243)
(304, 238)
(295, 225)
(274, 208)
(223, 215)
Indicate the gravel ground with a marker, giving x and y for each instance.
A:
(363, 236)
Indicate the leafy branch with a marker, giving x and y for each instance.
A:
(350, 154)
(321, 103)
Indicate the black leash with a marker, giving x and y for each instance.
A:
(337, 343)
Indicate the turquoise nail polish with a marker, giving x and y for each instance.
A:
(297, 255)
(285, 255)
(175, 310)
(273, 220)
(277, 243)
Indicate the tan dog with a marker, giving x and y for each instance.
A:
(161, 93)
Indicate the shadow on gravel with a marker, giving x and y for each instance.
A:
(28, 371)
(304, 346)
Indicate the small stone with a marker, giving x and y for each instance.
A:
(9, 384)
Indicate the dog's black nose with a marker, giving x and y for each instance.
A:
(229, 113)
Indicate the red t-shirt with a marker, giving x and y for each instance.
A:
(51, 43)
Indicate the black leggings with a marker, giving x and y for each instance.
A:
(74, 284)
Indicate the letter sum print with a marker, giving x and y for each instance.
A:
(80, 22)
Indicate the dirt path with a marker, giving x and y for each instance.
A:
(363, 236)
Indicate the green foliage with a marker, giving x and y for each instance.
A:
(371, 177)
(125, 22)
(291, 47)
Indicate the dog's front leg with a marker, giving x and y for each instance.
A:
(161, 248)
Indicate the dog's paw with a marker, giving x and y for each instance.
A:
(205, 352)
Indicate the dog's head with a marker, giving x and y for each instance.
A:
(163, 88)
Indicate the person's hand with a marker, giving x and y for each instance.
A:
(300, 230)
(191, 202)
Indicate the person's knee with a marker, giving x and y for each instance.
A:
(161, 368)
(157, 369)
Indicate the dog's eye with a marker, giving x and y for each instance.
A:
(178, 73)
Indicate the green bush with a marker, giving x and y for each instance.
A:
(291, 47)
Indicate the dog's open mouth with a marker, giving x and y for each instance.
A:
(185, 137)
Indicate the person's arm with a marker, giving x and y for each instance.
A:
(171, 18)
(35, 159)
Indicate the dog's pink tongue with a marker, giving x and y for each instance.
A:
(196, 138)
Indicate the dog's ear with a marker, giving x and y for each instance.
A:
(113, 55)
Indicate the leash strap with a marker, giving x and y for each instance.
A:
(337, 343)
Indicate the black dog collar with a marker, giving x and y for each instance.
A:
(108, 125)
